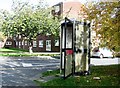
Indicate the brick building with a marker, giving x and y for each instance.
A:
(42, 43)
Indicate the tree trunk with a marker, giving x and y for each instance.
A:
(4, 41)
(23, 42)
(30, 50)
(30, 47)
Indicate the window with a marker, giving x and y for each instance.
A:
(19, 36)
(8, 43)
(57, 8)
(19, 43)
(25, 42)
(56, 42)
(22, 43)
(40, 43)
(48, 45)
(16, 43)
(34, 44)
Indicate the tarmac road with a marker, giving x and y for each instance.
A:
(19, 72)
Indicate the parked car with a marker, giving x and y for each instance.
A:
(102, 52)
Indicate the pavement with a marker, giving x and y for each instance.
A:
(32, 52)
(104, 61)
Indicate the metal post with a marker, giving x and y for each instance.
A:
(65, 46)
(89, 52)
(73, 48)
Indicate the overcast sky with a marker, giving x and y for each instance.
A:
(6, 4)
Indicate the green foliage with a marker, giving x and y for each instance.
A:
(29, 21)
(2, 37)
(106, 22)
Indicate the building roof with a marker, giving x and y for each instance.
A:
(72, 9)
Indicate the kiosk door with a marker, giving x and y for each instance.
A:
(67, 48)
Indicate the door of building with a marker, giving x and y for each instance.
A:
(48, 45)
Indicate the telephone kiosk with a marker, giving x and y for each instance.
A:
(74, 48)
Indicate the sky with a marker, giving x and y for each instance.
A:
(6, 4)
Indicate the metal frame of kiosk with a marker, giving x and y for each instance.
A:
(75, 48)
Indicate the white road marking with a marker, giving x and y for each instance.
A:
(27, 65)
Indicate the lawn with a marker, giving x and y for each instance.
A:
(12, 50)
(20, 52)
(109, 76)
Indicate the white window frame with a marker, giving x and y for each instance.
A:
(57, 8)
(41, 43)
(19, 43)
(22, 43)
(56, 42)
(34, 43)
(26, 43)
(48, 45)
(16, 43)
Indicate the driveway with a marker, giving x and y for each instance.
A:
(19, 72)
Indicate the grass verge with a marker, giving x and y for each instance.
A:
(51, 73)
(12, 50)
(109, 76)
(20, 53)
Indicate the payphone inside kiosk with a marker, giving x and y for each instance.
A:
(75, 47)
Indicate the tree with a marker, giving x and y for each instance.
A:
(2, 37)
(106, 22)
(28, 21)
